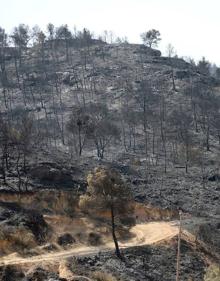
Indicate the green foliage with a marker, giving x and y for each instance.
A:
(105, 187)
(151, 38)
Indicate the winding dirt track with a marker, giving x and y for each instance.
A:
(144, 234)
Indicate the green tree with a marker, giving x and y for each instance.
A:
(151, 38)
(107, 191)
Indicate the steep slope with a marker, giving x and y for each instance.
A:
(153, 118)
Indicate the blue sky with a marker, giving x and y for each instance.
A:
(191, 26)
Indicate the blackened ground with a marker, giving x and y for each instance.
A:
(149, 263)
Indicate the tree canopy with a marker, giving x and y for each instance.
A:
(151, 38)
(107, 191)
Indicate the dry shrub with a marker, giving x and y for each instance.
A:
(94, 239)
(103, 276)
(16, 239)
(84, 203)
(213, 273)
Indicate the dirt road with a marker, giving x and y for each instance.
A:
(144, 234)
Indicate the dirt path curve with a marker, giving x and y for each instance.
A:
(144, 234)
